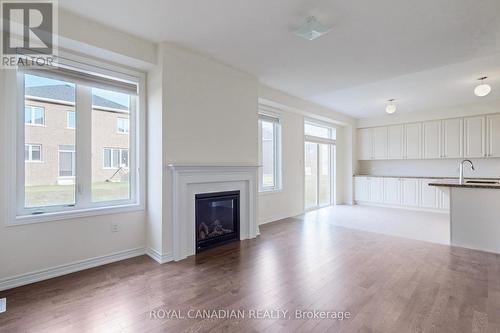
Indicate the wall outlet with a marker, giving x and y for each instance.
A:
(3, 305)
(115, 227)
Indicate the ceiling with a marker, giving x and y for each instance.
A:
(425, 53)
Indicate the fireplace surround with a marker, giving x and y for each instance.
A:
(189, 180)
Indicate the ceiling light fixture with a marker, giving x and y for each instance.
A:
(391, 106)
(312, 29)
(483, 89)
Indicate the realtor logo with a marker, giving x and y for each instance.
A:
(28, 32)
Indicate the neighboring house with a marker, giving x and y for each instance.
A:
(50, 121)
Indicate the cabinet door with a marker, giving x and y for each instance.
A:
(395, 142)
(493, 135)
(361, 189)
(410, 192)
(365, 143)
(453, 138)
(376, 189)
(392, 191)
(412, 141)
(474, 137)
(444, 193)
(380, 143)
(431, 138)
(429, 197)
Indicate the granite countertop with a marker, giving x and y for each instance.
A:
(454, 183)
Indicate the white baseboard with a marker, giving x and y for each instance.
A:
(416, 209)
(278, 217)
(158, 257)
(23, 279)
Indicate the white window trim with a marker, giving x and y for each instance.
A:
(118, 126)
(278, 183)
(14, 80)
(30, 153)
(32, 107)
(67, 119)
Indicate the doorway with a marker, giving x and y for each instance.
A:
(319, 180)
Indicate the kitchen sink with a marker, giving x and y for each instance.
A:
(483, 182)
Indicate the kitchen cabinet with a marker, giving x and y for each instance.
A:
(429, 196)
(444, 195)
(380, 143)
(395, 148)
(431, 139)
(452, 138)
(413, 141)
(493, 130)
(474, 128)
(365, 143)
(376, 188)
(410, 192)
(361, 189)
(392, 191)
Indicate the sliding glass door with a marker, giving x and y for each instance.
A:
(319, 165)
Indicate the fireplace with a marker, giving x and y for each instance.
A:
(217, 219)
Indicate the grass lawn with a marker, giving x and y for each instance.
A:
(52, 195)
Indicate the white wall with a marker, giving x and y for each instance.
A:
(209, 116)
(293, 111)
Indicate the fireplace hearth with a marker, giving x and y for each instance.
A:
(217, 219)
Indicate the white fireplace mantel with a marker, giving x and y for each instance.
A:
(191, 179)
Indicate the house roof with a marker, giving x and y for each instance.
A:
(66, 93)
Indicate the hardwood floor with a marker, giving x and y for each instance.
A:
(388, 284)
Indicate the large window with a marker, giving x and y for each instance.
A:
(79, 169)
(270, 157)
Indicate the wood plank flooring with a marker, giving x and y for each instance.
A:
(387, 284)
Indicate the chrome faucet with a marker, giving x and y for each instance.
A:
(461, 179)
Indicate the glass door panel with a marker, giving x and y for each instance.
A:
(311, 175)
(325, 171)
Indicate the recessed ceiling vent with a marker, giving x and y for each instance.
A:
(312, 29)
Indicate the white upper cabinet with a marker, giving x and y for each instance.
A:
(380, 143)
(475, 137)
(493, 123)
(413, 141)
(431, 138)
(395, 142)
(453, 138)
(365, 144)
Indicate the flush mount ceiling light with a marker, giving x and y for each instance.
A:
(312, 29)
(391, 106)
(483, 89)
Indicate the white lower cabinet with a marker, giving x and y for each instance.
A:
(376, 190)
(414, 193)
(429, 196)
(392, 191)
(410, 192)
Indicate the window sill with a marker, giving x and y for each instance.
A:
(269, 192)
(68, 215)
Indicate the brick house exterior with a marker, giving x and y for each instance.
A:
(55, 138)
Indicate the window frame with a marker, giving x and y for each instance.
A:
(275, 119)
(120, 155)
(32, 118)
(118, 125)
(18, 215)
(30, 153)
(68, 113)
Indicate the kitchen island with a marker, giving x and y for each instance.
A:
(474, 213)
